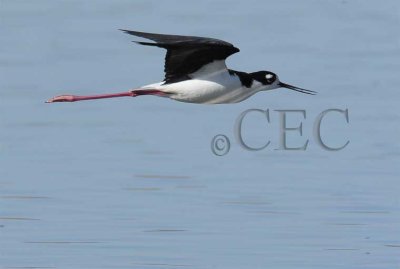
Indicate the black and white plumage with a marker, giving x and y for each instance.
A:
(186, 54)
(195, 72)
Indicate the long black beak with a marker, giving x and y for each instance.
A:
(297, 89)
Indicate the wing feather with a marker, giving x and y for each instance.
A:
(186, 54)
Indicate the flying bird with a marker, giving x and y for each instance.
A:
(195, 72)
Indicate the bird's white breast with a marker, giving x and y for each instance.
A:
(212, 84)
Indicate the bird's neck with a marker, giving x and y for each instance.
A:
(245, 78)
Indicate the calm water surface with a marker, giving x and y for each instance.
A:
(132, 183)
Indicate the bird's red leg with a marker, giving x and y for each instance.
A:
(131, 93)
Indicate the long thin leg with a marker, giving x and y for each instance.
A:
(132, 93)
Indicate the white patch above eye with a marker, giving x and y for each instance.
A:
(268, 76)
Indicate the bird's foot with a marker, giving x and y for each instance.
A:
(62, 98)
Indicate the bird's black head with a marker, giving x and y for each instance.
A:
(271, 81)
(265, 77)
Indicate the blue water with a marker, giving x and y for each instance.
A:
(132, 183)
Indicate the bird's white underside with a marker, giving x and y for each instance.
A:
(211, 84)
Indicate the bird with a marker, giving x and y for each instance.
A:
(196, 72)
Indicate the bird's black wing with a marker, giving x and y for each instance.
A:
(186, 54)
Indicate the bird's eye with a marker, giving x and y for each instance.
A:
(269, 77)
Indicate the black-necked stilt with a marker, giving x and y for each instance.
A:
(195, 72)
